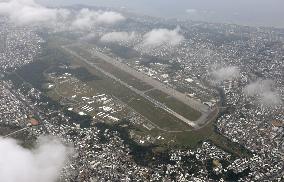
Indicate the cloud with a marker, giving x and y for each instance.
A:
(26, 12)
(118, 37)
(86, 18)
(258, 87)
(43, 163)
(270, 99)
(109, 17)
(226, 73)
(89, 37)
(191, 11)
(263, 90)
(160, 37)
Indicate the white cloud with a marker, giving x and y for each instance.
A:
(258, 87)
(86, 18)
(270, 99)
(43, 163)
(26, 12)
(191, 11)
(109, 17)
(226, 73)
(263, 90)
(89, 37)
(118, 37)
(160, 37)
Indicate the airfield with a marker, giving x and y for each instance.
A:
(199, 113)
(66, 74)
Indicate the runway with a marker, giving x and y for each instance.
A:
(203, 109)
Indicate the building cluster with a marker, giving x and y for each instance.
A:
(256, 52)
(86, 101)
(12, 110)
(18, 46)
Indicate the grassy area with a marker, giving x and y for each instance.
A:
(207, 133)
(191, 138)
(129, 79)
(26, 140)
(172, 103)
(175, 105)
(156, 115)
(228, 145)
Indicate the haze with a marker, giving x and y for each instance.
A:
(245, 12)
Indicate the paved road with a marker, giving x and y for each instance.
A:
(15, 132)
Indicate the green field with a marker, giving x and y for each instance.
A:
(129, 79)
(156, 115)
(174, 104)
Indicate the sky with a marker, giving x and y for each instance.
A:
(245, 12)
